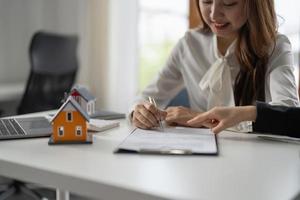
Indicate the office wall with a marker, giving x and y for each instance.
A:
(123, 54)
(96, 66)
(19, 19)
(112, 55)
(107, 49)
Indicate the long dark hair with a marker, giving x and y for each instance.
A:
(256, 39)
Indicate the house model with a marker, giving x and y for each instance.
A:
(84, 98)
(70, 124)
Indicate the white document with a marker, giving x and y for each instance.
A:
(171, 141)
(98, 125)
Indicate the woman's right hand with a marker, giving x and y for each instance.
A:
(147, 116)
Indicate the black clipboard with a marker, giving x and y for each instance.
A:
(171, 141)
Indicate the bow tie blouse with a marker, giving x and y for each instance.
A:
(196, 64)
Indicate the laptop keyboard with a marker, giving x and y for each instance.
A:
(10, 127)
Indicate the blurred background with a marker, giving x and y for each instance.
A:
(122, 43)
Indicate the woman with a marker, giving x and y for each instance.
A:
(234, 58)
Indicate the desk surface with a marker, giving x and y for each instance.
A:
(246, 168)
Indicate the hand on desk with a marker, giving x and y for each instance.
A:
(179, 115)
(146, 116)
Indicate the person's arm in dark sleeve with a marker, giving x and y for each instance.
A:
(280, 120)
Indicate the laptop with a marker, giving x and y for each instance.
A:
(30, 127)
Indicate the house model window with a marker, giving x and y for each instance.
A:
(89, 108)
(78, 99)
(69, 116)
(61, 131)
(78, 131)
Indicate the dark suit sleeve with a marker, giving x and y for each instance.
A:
(279, 120)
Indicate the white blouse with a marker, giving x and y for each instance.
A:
(196, 64)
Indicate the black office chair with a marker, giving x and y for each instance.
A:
(54, 65)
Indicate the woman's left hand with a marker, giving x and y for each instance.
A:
(221, 118)
(179, 115)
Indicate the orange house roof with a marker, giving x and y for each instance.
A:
(75, 105)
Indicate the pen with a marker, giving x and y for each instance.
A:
(152, 101)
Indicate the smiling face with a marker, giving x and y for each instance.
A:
(224, 17)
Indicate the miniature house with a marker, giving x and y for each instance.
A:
(70, 124)
(85, 99)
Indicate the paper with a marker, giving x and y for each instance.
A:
(172, 140)
(97, 125)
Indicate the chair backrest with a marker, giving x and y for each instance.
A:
(54, 65)
(181, 99)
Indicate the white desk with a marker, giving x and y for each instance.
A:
(247, 168)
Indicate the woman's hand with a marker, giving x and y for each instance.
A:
(179, 115)
(146, 116)
(220, 118)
